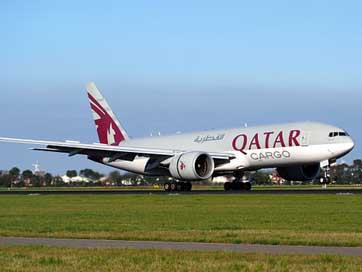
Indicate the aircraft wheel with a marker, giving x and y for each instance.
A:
(167, 186)
(173, 186)
(227, 186)
(180, 186)
(186, 186)
(247, 186)
(322, 180)
(325, 180)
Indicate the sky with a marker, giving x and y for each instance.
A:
(173, 66)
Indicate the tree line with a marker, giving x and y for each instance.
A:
(340, 174)
(88, 177)
(14, 177)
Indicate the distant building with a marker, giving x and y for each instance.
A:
(76, 179)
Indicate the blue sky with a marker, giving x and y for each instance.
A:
(170, 67)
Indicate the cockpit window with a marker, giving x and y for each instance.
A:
(340, 133)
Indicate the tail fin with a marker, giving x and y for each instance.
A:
(109, 129)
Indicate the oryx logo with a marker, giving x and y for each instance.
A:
(182, 165)
(107, 129)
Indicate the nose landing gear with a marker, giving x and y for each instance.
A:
(326, 177)
(325, 180)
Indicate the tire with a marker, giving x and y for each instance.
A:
(227, 186)
(322, 180)
(185, 186)
(173, 187)
(167, 186)
(247, 186)
(188, 186)
(180, 186)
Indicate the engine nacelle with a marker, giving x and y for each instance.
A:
(192, 166)
(300, 172)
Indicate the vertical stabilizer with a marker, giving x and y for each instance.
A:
(109, 129)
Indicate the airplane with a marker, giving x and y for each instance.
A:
(298, 150)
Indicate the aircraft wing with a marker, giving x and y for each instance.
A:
(102, 150)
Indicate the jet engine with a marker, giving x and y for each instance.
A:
(192, 166)
(300, 172)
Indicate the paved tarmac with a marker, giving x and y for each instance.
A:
(186, 246)
(196, 192)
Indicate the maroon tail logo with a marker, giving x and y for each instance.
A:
(107, 129)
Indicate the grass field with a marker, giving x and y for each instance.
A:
(269, 219)
(62, 259)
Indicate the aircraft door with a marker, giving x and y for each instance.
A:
(305, 138)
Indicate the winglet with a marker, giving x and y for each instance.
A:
(109, 129)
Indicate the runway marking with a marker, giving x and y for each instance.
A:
(186, 246)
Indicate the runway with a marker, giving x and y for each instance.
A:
(195, 192)
(186, 246)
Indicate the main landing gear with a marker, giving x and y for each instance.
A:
(237, 184)
(179, 186)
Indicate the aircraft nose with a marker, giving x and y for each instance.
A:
(350, 144)
(342, 148)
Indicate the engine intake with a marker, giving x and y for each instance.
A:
(300, 172)
(192, 166)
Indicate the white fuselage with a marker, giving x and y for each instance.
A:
(253, 147)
